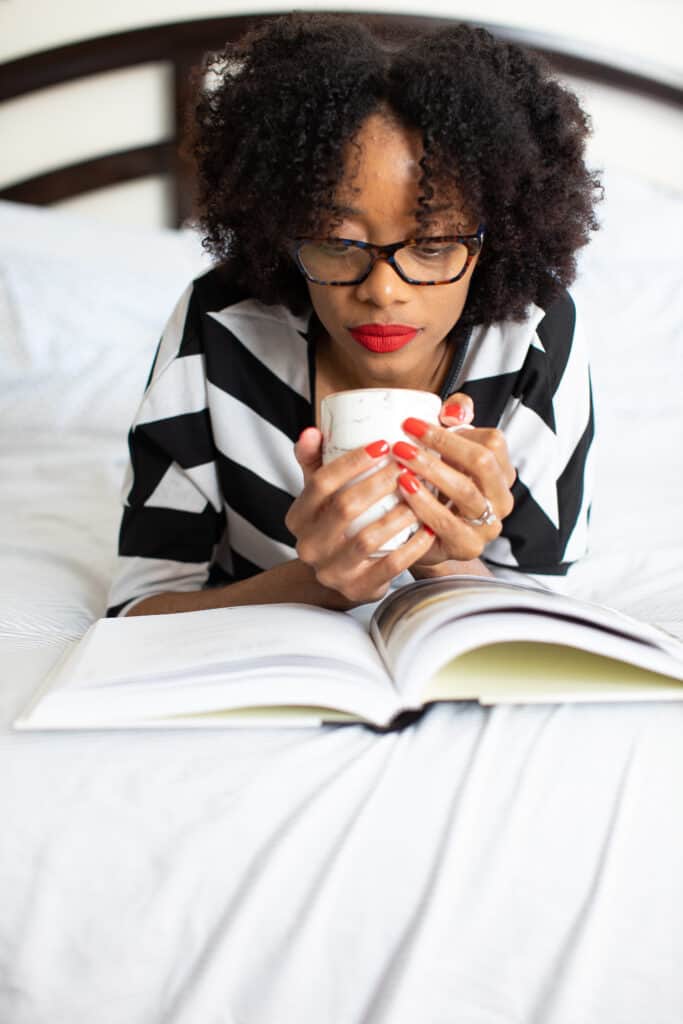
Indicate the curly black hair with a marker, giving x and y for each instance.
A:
(277, 109)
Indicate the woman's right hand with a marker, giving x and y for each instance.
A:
(320, 517)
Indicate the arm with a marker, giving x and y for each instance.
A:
(321, 518)
(548, 424)
(545, 417)
(290, 581)
(173, 517)
(451, 567)
(335, 494)
(458, 410)
(174, 547)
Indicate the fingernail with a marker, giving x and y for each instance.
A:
(455, 412)
(415, 427)
(428, 529)
(408, 481)
(404, 450)
(377, 448)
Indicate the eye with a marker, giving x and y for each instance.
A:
(333, 247)
(434, 250)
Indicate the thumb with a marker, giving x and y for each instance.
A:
(457, 410)
(308, 451)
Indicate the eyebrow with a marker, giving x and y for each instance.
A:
(355, 212)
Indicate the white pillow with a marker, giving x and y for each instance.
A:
(82, 304)
(629, 296)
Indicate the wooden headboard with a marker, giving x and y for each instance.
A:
(184, 44)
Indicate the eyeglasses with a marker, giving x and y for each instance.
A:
(422, 261)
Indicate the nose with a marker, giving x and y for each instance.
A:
(383, 287)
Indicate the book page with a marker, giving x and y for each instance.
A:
(262, 656)
(167, 648)
(267, 717)
(118, 707)
(475, 633)
(299, 715)
(445, 613)
(519, 672)
(207, 705)
(406, 616)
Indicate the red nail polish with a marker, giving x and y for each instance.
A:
(415, 427)
(455, 412)
(377, 448)
(408, 481)
(404, 450)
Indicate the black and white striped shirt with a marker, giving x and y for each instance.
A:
(212, 470)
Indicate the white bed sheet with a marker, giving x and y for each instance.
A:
(482, 866)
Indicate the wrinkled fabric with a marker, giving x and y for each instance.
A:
(512, 864)
(515, 865)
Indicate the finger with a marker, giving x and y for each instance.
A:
(457, 410)
(381, 571)
(320, 482)
(466, 493)
(458, 539)
(368, 541)
(456, 486)
(353, 500)
(346, 467)
(478, 461)
(372, 577)
(327, 529)
(495, 441)
(308, 451)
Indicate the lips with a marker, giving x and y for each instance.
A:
(383, 337)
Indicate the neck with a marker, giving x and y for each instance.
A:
(334, 374)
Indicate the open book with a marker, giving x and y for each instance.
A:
(454, 638)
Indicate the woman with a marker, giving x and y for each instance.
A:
(401, 215)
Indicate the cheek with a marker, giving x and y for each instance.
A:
(328, 304)
(450, 302)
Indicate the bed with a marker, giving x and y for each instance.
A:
(501, 866)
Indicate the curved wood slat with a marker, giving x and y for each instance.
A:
(170, 41)
(119, 50)
(76, 179)
(184, 43)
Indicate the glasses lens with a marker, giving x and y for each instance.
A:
(432, 261)
(334, 261)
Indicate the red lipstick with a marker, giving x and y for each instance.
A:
(383, 337)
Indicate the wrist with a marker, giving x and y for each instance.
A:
(296, 581)
(289, 581)
(451, 567)
(316, 592)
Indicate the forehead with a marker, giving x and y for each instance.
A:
(383, 153)
(381, 178)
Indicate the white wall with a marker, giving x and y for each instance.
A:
(648, 30)
(636, 134)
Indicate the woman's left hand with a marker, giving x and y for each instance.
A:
(472, 472)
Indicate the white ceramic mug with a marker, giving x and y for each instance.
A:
(353, 419)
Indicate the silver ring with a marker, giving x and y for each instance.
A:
(487, 518)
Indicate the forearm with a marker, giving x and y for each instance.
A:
(451, 568)
(291, 581)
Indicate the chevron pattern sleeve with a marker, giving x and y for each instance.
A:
(173, 516)
(548, 422)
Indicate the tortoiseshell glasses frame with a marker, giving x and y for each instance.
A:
(472, 243)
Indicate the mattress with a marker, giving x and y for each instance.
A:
(484, 866)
